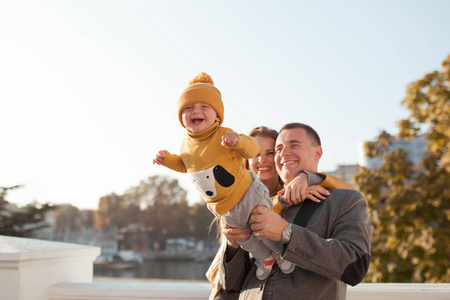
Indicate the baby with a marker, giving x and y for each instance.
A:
(214, 157)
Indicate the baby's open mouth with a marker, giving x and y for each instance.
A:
(196, 121)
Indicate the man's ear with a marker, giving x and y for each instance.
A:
(319, 152)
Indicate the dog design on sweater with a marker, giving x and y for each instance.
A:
(205, 181)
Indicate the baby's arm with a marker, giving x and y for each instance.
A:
(247, 146)
(230, 139)
(171, 161)
(160, 156)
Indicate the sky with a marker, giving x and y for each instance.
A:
(89, 89)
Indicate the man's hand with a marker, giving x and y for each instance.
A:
(266, 223)
(232, 234)
(297, 191)
(160, 157)
(229, 140)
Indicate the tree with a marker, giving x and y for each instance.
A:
(21, 221)
(201, 221)
(158, 204)
(68, 217)
(410, 205)
(164, 205)
(110, 212)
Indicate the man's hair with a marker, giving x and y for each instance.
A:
(312, 134)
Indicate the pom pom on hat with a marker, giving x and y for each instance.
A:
(202, 77)
(201, 89)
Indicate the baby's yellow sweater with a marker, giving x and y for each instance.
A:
(202, 154)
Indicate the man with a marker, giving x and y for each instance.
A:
(331, 251)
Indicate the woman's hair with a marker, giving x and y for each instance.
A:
(262, 131)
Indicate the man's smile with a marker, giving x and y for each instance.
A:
(290, 162)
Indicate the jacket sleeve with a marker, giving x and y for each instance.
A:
(332, 182)
(322, 179)
(327, 181)
(341, 249)
(233, 270)
(174, 162)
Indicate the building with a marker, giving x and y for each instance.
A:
(415, 148)
(345, 172)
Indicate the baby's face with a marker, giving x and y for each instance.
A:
(198, 116)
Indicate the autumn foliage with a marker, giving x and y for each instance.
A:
(410, 204)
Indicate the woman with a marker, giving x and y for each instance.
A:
(263, 166)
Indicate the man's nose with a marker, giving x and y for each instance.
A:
(284, 151)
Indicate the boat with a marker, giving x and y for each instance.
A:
(122, 260)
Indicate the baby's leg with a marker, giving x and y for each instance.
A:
(256, 194)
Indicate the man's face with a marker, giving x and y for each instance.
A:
(295, 151)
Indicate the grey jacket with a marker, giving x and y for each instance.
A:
(331, 252)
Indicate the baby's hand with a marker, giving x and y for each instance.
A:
(160, 156)
(230, 140)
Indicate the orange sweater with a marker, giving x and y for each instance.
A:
(218, 172)
(330, 182)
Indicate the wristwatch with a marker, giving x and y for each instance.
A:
(286, 234)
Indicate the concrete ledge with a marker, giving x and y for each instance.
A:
(400, 291)
(28, 267)
(129, 291)
(183, 290)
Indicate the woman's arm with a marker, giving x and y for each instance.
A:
(332, 182)
(310, 185)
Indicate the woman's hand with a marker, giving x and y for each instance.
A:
(232, 234)
(316, 193)
(298, 191)
(266, 223)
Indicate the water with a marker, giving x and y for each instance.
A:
(179, 270)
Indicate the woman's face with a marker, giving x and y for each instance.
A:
(263, 165)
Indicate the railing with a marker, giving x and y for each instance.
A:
(40, 270)
(177, 290)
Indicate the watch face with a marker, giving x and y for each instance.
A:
(286, 235)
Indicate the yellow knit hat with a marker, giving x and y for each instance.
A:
(201, 89)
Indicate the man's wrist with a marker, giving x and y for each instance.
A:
(286, 234)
